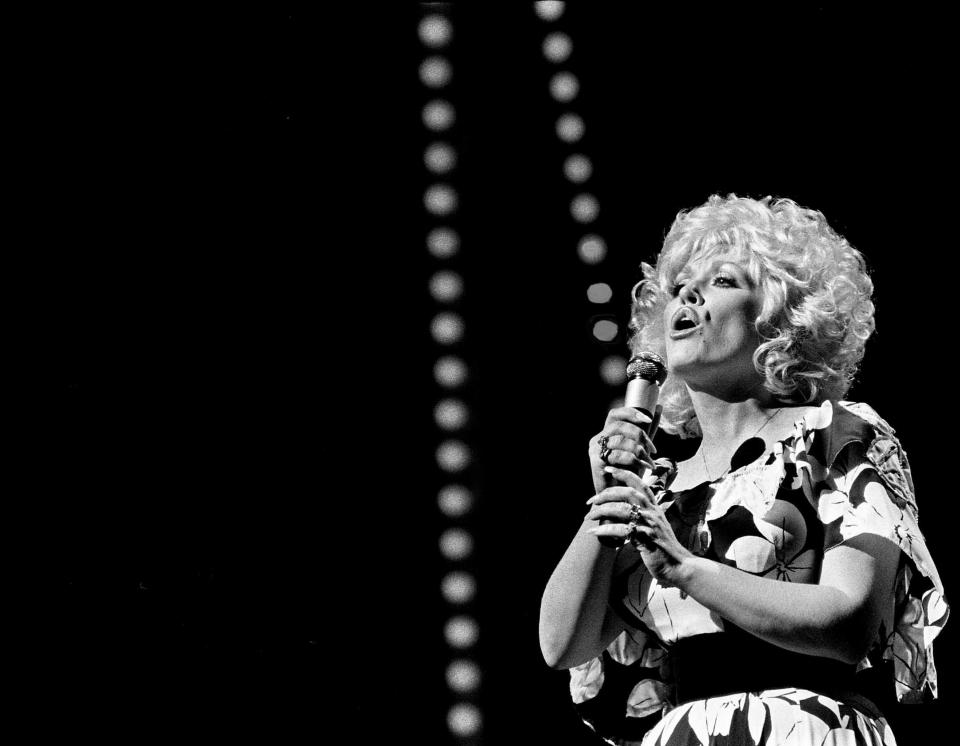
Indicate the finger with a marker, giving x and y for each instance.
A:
(617, 493)
(628, 459)
(632, 481)
(622, 429)
(647, 443)
(617, 530)
(628, 414)
(617, 511)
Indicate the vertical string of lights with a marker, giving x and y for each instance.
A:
(578, 169)
(453, 456)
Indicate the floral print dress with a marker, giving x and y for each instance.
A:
(682, 676)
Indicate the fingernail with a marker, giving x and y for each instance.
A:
(590, 501)
(609, 469)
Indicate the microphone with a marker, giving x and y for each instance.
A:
(646, 373)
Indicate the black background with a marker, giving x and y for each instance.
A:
(230, 360)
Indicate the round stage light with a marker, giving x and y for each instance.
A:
(450, 414)
(557, 47)
(461, 632)
(463, 676)
(592, 249)
(570, 128)
(584, 208)
(443, 242)
(438, 115)
(450, 372)
(549, 10)
(453, 456)
(455, 500)
(435, 31)
(440, 199)
(447, 328)
(458, 587)
(613, 370)
(599, 292)
(435, 72)
(456, 544)
(464, 720)
(446, 286)
(440, 158)
(564, 87)
(577, 168)
(605, 331)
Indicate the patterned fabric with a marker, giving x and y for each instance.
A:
(840, 474)
(787, 717)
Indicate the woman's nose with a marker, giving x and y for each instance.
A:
(690, 294)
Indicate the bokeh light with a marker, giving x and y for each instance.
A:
(458, 587)
(454, 500)
(461, 632)
(450, 414)
(605, 330)
(453, 456)
(450, 372)
(564, 87)
(440, 158)
(440, 199)
(592, 249)
(570, 127)
(599, 292)
(446, 286)
(447, 328)
(464, 720)
(463, 676)
(435, 72)
(549, 10)
(438, 115)
(435, 31)
(584, 208)
(443, 242)
(557, 47)
(613, 370)
(577, 168)
(456, 544)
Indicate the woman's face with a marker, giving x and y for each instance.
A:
(709, 322)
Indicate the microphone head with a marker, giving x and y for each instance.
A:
(648, 366)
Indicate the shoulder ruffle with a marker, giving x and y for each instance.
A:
(853, 470)
(869, 490)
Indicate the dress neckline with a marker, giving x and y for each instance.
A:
(763, 461)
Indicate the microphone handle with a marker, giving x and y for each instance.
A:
(642, 395)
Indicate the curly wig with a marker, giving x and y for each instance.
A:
(816, 315)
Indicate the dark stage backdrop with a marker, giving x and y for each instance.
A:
(235, 383)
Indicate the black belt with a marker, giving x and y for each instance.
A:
(721, 663)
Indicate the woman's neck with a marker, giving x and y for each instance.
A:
(728, 420)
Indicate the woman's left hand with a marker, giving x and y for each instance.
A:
(662, 553)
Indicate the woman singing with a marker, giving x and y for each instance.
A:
(774, 588)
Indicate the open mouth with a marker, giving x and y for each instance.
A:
(684, 320)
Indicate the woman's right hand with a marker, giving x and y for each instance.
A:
(626, 437)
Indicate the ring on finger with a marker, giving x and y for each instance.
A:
(635, 516)
(604, 449)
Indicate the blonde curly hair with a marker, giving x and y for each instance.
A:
(816, 315)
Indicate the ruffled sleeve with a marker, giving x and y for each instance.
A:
(622, 693)
(858, 479)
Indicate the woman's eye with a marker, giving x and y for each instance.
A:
(675, 290)
(724, 280)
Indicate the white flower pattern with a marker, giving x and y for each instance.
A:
(847, 491)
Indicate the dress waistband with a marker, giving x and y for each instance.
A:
(721, 663)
